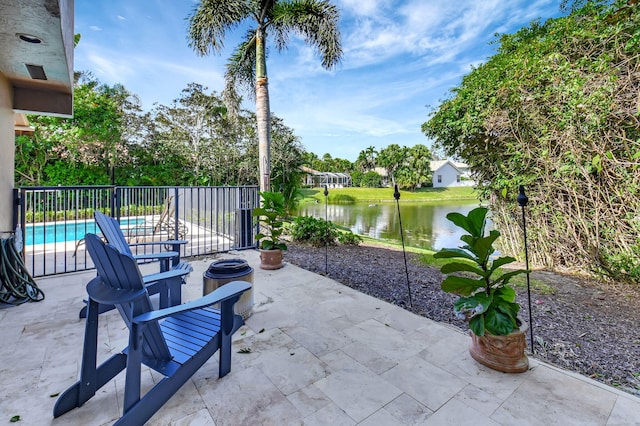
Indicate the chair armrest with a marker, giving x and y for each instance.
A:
(168, 242)
(227, 291)
(160, 255)
(102, 293)
(165, 275)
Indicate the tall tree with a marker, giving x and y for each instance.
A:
(556, 110)
(315, 20)
(392, 158)
(367, 159)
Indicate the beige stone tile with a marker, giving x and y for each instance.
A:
(556, 398)
(483, 401)
(291, 369)
(331, 414)
(358, 392)
(338, 360)
(403, 320)
(199, 418)
(457, 413)
(380, 418)
(248, 350)
(187, 401)
(384, 340)
(247, 397)
(626, 412)
(318, 340)
(369, 358)
(443, 344)
(425, 382)
(308, 400)
(502, 385)
(407, 411)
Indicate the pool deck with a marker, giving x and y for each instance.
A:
(319, 353)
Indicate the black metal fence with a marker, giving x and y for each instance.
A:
(54, 220)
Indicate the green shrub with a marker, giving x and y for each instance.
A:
(371, 179)
(310, 230)
(349, 238)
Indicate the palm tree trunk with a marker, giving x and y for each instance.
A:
(263, 113)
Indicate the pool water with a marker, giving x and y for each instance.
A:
(65, 231)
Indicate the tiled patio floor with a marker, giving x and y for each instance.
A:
(320, 354)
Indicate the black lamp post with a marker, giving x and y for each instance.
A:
(522, 201)
(396, 195)
(326, 239)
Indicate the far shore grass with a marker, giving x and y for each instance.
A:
(383, 195)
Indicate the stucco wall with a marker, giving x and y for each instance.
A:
(8, 154)
(449, 176)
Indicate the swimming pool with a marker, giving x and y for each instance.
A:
(59, 232)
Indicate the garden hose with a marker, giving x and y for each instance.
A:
(16, 284)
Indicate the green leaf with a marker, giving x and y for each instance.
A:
(505, 293)
(501, 261)
(504, 279)
(484, 246)
(477, 218)
(461, 285)
(498, 323)
(476, 325)
(468, 304)
(453, 253)
(460, 267)
(460, 220)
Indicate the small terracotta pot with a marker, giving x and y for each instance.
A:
(271, 259)
(502, 353)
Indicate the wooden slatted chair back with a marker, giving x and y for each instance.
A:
(110, 229)
(120, 271)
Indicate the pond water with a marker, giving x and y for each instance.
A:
(424, 224)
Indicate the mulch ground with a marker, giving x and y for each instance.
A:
(585, 326)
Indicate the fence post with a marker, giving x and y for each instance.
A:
(176, 214)
(115, 202)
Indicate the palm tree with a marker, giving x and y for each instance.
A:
(315, 20)
(367, 159)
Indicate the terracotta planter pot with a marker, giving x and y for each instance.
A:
(502, 353)
(271, 259)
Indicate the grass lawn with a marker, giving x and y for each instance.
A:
(381, 195)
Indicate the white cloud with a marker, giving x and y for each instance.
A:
(95, 28)
(122, 18)
(112, 70)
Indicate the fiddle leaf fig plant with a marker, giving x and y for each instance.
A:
(271, 217)
(486, 300)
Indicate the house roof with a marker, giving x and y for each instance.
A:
(311, 171)
(36, 54)
(438, 164)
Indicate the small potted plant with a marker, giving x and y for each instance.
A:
(487, 301)
(271, 217)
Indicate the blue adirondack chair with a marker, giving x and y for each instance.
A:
(110, 229)
(174, 341)
(167, 282)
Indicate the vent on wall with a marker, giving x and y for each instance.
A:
(36, 72)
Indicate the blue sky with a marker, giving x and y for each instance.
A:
(401, 57)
